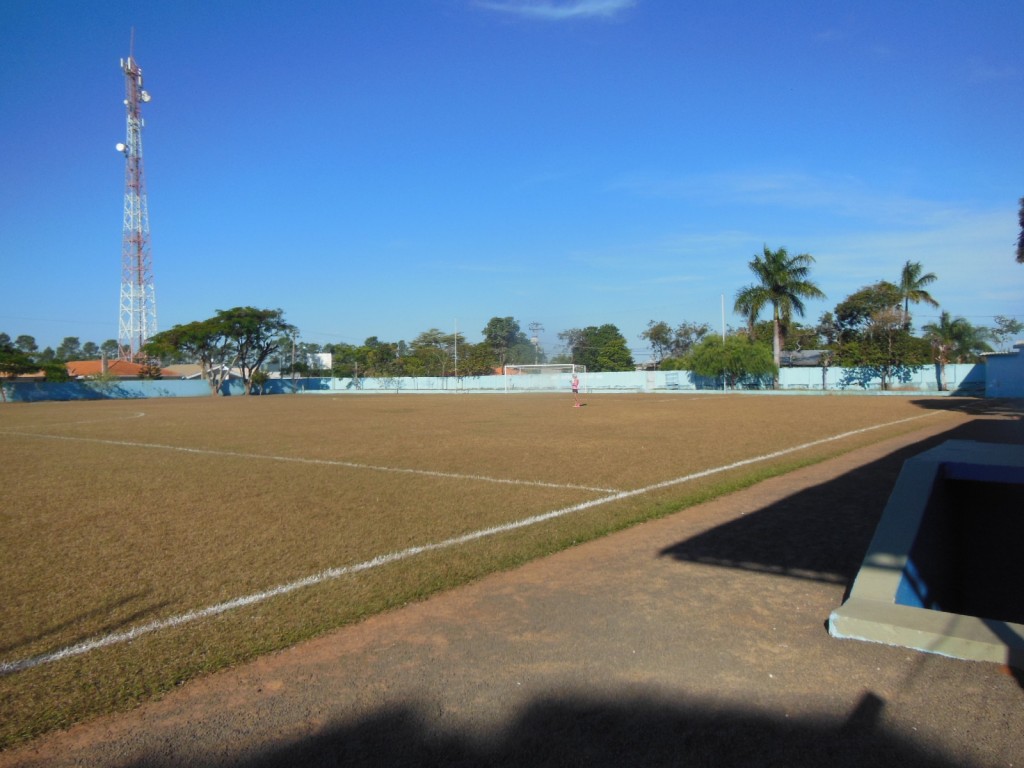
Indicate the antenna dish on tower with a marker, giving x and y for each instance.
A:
(120, 147)
(145, 96)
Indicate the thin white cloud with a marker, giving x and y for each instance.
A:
(968, 251)
(983, 72)
(556, 10)
(870, 236)
(839, 195)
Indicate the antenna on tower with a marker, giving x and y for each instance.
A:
(137, 322)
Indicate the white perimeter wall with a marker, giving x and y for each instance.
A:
(965, 378)
(1006, 379)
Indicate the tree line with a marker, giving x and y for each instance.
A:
(869, 333)
(23, 355)
(438, 353)
(245, 340)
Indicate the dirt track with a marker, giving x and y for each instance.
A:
(698, 639)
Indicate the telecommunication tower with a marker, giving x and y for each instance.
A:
(138, 294)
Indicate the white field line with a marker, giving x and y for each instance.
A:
(11, 667)
(320, 462)
(135, 415)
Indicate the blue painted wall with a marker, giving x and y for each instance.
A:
(1006, 374)
(962, 379)
(30, 391)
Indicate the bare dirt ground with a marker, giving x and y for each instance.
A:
(698, 639)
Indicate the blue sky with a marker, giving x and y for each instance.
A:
(382, 167)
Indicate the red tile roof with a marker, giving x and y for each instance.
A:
(122, 369)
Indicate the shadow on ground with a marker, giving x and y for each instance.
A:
(594, 732)
(1005, 407)
(827, 528)
(792, 537)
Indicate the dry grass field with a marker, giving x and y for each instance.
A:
(146, 542)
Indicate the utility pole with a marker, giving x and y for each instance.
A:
(535, 329)
(138, 294)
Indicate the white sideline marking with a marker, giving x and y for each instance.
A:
(135, 415)
(323, 462)
(10, 667)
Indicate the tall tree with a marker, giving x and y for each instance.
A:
(599, 348)
(659, 336)
(253, 334)
(476, 360)
(687, 336)
(912, 284)
(884, 350)
(26, 344)
(1007, 329)
(614, 356)
(379, 359)
(70, 348)
(201, 341)
(782, 282)
(853, 315)
(432, 353)
(14, 362)
(344, 359)
(667, 342)
(953, 340)
(507, 341)
(243, 337)
(943, 338)
(736, 359)
(1020, 238)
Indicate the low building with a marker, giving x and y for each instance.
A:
(195, 371)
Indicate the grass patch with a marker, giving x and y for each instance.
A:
(153, 509)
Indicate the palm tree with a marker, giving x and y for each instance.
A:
(953, 340)
(912, 284)
(782, 282)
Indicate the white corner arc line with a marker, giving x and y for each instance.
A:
(11, 667)
(322, 462)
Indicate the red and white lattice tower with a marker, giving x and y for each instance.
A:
(138, 294)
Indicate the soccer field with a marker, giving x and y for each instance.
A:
(145, 542)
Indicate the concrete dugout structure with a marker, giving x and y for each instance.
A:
(943, 571)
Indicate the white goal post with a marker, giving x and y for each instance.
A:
(544, 377)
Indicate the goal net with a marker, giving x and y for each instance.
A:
(545, 377)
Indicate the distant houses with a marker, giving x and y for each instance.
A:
(193, 371)
(115, 369)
